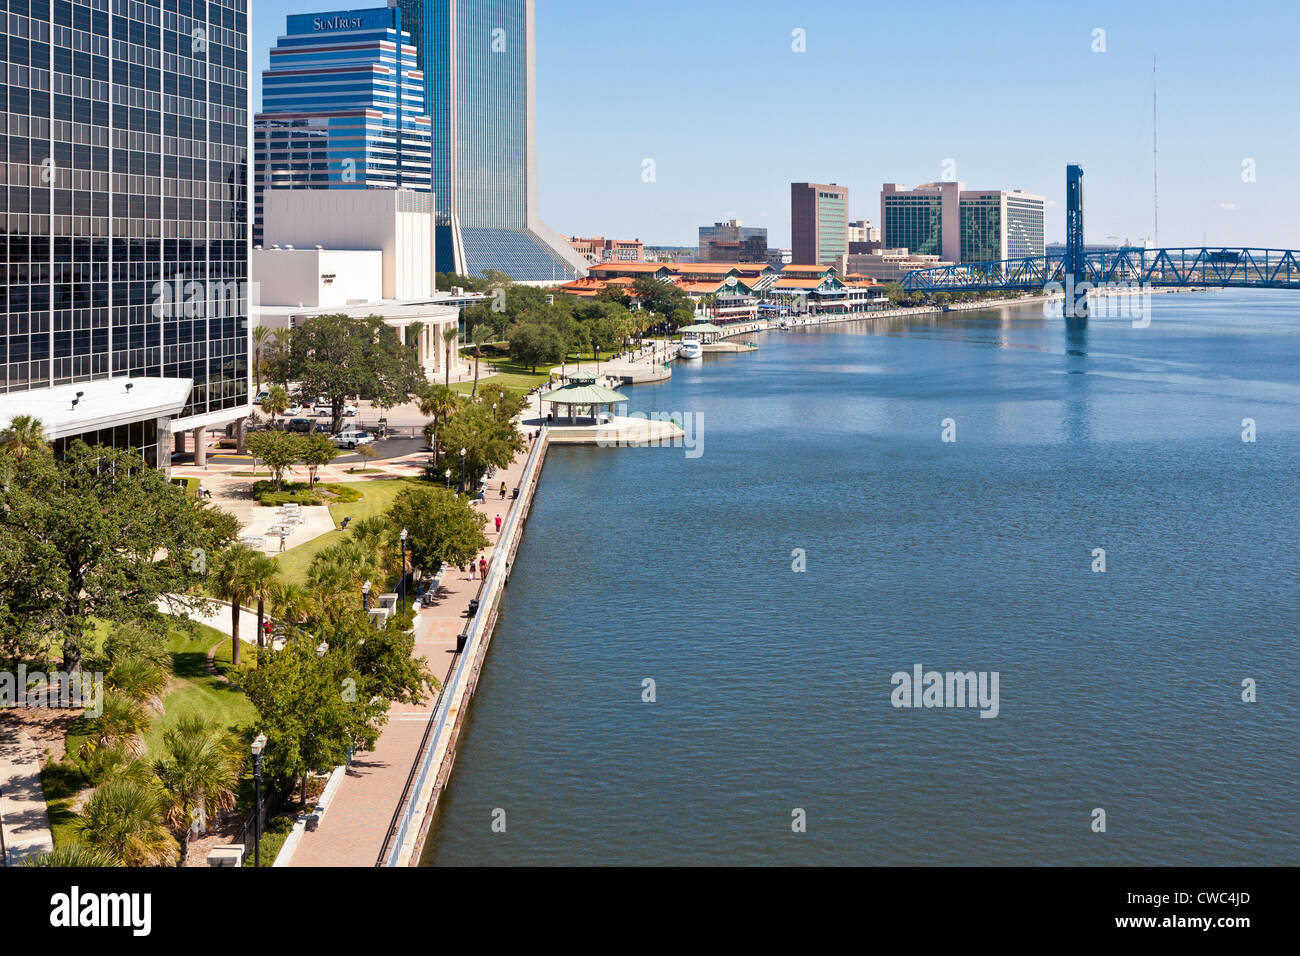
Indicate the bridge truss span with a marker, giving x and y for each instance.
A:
(1200, 266)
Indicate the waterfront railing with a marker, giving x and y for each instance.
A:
(400, 828)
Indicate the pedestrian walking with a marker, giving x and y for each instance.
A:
(472, 566)
(281, 540)
(503, 494)
(482, 568)
(503, 489)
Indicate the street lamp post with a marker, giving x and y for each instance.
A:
(403, 579)
(447, 475)
(494, 411)
(462, 471)
(258, 745)
(365, 597)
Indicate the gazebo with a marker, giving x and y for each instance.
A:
(582, 393)
(707, 331)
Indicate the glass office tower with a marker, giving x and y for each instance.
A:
(342, 108)
(478, 58)
(124, 135)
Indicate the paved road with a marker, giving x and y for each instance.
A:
(388, 448)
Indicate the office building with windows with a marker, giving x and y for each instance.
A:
(342, 108)
(961, 225)
(123, 292)
(733, 241)
(819, 222)
(479, 62)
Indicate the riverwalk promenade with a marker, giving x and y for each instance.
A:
(373, 791)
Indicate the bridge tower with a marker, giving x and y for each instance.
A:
(1075, 306)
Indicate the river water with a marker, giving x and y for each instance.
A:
(1118, 690)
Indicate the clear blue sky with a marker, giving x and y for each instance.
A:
(713, 93)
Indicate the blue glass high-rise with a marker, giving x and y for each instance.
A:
(478, 58)
(342, 108)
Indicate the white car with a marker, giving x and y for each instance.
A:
(294, 410)
(349, 410)
(352, 437)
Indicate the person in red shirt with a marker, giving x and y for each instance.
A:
(482, 568)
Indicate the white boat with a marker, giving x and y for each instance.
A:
(691, 348)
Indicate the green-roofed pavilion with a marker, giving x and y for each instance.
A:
(707, 331)
(581, 399)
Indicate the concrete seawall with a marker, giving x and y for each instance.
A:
(439, 757)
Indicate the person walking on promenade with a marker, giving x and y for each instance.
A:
(503, 489)
(472, 566)
(482, 568)
(503, 494)
(281, 540)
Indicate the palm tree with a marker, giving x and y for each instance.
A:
(261, 335)
(233, 581)
(280, 339)
(199, 773)
(449, 336)
(138, 679)
(123, 723)
(264, 574)
(481, 333)
(332, 582)
(372, 535)
(437, 403)
(291, 602)
(74, 855)
(276, 401)
(124, 819)
(24, 434)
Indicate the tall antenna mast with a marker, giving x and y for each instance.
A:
(1155, 170)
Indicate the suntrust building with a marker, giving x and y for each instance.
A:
(123, 298)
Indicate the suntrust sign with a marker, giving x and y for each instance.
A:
(336, 23)
(381, 18)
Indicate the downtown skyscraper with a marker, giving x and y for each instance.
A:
(479, 62)
(123, 293)
(342, 108)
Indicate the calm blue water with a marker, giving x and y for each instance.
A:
(1118, 690)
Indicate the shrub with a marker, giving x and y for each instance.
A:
(341, 492)
(273, 499)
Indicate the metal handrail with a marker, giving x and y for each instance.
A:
(405, 811)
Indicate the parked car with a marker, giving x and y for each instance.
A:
(257, 400)
(352, 437)
(349, 410)
(294, 409)
(303, 425)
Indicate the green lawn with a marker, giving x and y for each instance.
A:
(191, 690)
(376, 496)
(520, 378)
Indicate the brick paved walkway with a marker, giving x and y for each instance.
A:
(352, 830)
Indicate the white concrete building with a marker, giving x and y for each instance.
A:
(319, 277)
(396, 222)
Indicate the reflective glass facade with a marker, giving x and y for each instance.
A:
(342, 108)
(478, 93)
(981, 229)
(914, 222)
(124, 135)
